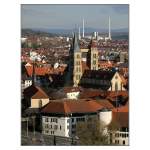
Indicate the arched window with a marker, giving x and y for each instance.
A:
(40, 103)
(116, 86)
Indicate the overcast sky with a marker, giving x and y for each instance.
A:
(69, 16)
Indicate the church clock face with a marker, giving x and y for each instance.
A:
(116, 77)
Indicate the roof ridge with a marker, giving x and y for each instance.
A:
(66, 107)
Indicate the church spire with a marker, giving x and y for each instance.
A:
(76, 44)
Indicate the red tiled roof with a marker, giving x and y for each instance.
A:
(44, 70)
(121, 109)
(38, 70)
(121, 118)
(35, 92)
(88, 93)
(72, 106)
(112, 94)
(105, 103)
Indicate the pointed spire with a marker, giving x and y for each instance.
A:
(83, 28)
(76, 44)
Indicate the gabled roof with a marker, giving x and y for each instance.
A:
(35, 92)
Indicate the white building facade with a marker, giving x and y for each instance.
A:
(119, 138)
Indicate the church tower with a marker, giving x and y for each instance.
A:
(77, 62)
(93, 55)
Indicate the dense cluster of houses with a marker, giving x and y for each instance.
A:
(97, 90)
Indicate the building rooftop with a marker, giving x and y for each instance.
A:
(72, 106)
(35, 92)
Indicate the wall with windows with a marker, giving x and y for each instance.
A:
(61, 126)
(119, 138)
(27, 83)
(94, 59)
(55, 126)
(73, 95)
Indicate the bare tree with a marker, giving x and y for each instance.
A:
(91, 132)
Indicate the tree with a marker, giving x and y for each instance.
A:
(91, 132)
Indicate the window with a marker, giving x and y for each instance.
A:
(94, 55)
(46, 131)
(76, 69)
(77, 63)
(73, 126)
(123, 142)
(46, 119)
(80, 119)
(55, 127)
(72, 119)
(78, 56)
(46, 126)
(116, 86)
(54, 120)
(60, 127)
(94, 62)
(79, 69)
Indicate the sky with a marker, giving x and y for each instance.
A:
(50, 16)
